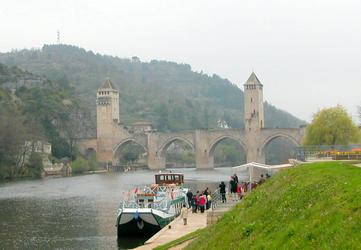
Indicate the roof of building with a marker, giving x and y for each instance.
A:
(107, 84)
(253, 79)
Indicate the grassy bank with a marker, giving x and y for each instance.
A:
(316, 206)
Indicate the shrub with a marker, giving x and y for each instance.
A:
(80, 165)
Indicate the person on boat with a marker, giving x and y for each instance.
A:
(172, 194)
(184, 214)
(202, 202)
(189, 197)
(222, 191)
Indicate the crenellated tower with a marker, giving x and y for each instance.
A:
(107, 103)
(253, 104)
(107, 107)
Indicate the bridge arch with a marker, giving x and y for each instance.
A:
(278, 135)
(169, 141)
(218, 140)
(124, 143)
(272, 138)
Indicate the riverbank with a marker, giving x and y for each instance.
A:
(311, 206)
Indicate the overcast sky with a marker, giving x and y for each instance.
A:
(306, 53)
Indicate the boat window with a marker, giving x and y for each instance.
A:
(176, 177)
(162, 177)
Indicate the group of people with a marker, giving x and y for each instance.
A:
(200, 200)
(238, 189)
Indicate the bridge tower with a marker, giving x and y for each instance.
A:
(253, 104)
(107, 103)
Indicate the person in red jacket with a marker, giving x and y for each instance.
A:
(239, 192)
(202, 202)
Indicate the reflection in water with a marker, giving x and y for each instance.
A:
(77, 212)
(130, 242)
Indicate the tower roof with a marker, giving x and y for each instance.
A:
(107, 84)
(253, 79)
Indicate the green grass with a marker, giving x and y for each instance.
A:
(314, 206)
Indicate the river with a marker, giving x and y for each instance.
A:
(78, 212)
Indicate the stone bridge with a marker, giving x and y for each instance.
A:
(203, 143)
(112, 137)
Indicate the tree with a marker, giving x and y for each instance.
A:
(332, 126)
(12, 137)
(34, 165)
(131, 153)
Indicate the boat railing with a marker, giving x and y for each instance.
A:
(163, 204)
(165, 193)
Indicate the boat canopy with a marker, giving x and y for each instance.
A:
(169, 178)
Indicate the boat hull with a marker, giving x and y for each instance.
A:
(140, 223)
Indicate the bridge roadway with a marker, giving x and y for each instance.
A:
(195, 221)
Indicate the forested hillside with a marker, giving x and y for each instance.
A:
(33, 108)
(170, 95)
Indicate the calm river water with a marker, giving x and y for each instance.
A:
(77, 212)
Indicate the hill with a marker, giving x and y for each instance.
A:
(315, 206)
(33, 108)
(170, 95)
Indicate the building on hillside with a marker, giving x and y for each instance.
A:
(43, 148)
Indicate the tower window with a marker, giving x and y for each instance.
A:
(251, 99)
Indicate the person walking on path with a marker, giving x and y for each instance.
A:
(206, 192)
(194, 203)
(239, 191)
(235, 178)
(222, 191)
(233, 187)
(209, 200)
(184, 214)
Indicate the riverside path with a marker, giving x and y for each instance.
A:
(196, 221)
